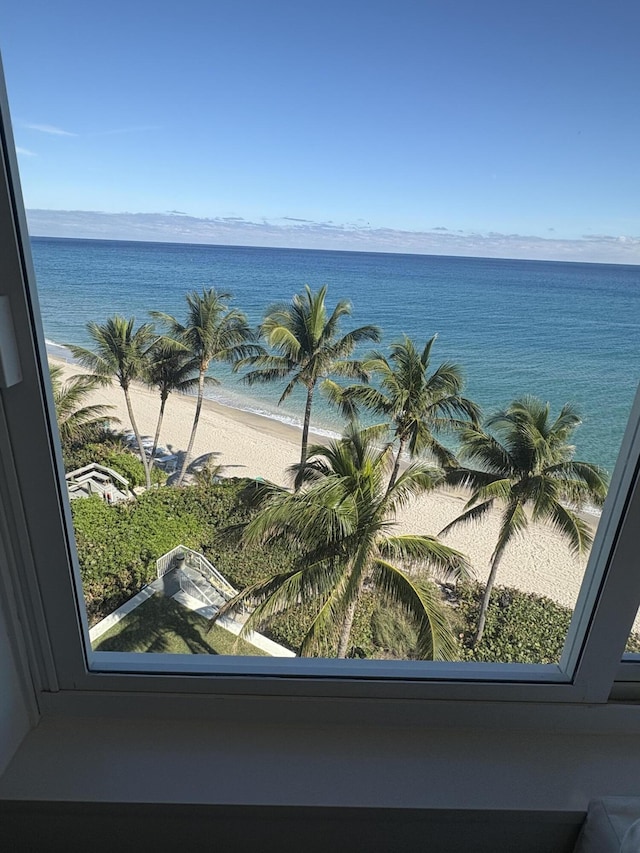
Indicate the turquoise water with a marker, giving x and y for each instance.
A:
(561, 331)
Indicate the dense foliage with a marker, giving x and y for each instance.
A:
(111, 453)
(118, 547)
(525, 467)
(521, 627)
(339, 527)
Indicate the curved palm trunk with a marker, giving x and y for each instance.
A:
(305, 436)
(194, 428)
(482, 616)
(136, 432)
(396, 465)
(156, 438)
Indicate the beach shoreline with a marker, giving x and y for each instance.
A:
(247, 444)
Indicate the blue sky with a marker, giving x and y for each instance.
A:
(472, 127)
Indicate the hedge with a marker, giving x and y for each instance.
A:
(118, 546)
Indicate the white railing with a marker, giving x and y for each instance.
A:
(196, 561)
(201, 564)
(188, 586)
(167, 561)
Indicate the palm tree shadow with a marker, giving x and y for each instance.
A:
(150, 626)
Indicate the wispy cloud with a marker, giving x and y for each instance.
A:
(51, 129)
(25, 152)
(143, 128)
(294, 233)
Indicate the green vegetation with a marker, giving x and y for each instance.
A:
(319, 566)
(526, 461)
(161, 625)
(111, 453)
(77, 422)
(307, 348)
(520, 627)
(120, 353)
(338, 531)
(211, 332)
(417, 406)
(118, 546)
(169, 368)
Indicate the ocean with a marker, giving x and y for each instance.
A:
(561, 331)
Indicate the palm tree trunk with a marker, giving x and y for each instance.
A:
(136, 432)
(396, 465)
(156, 438)
(482, 616)
(345, 630)
(305, 436)
(194, 428)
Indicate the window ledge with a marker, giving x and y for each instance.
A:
(256, 762)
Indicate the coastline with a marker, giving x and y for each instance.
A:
(254, 445)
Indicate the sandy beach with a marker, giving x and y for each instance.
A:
(251, 445)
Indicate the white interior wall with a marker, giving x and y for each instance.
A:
(14, 716)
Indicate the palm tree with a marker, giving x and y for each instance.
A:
(338, 528)
(169, 368)
(211, 332)
(308, 349)
(120, 353)
(76, 422)
(527, 465)
(417, 405)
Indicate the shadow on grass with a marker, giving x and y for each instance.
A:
(159, 626)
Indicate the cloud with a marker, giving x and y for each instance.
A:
(50, 129)
(621, 240)
(293, 233)
(143, 128)
(25, 152)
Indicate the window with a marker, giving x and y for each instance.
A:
(36, 524)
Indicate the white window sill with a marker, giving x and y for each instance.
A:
(540, 758)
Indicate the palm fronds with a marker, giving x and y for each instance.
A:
(525, 462)
(338, 528)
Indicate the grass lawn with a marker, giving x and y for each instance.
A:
(162, 625)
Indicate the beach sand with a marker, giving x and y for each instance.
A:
(250, 445)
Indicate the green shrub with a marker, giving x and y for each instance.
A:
(77, 455)
(521, 627)
(118, 545)
(289, 628)
(110, 451)
(131, 468)
(393, 634)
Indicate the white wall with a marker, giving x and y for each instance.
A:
(14, 717)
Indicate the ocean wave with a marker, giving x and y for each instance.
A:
(255, 409)
(58, 350)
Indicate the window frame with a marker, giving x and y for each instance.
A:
(35, 525)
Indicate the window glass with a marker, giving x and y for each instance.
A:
(632, 649)
(265, 285)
